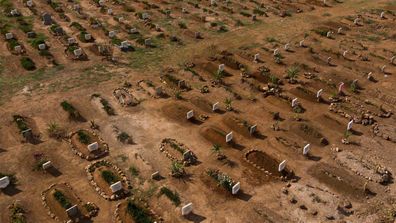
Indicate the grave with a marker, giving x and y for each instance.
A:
(72, 211)
(198, 35)
(110, 11)
(47, 165)
(306, 149)
(147, 42)
(47, 19)
(236, 188)
(18, 49)
(187, 209)
(328, 34)
(221, 68)
(125, 45)
(383, 69)
(287, 47)
(87, 36)
(229, 137)
(282, 166)
(350, 124)
(252, 129)
(302, 43)
(71, 41)
(145, 16)
(93, 146)
(4, 182)
(382, 15)
(190, 114)
(116, 187)
(276, 52)
(155, 175)
(9, 36)
(215, 106)
(344, 53)
(392, 59)
(101, 2)
(133, 31)
(31, 34)
(15, 12)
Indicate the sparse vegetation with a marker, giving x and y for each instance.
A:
(172, 195)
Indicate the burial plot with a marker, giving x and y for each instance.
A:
(124, 97)
(308, 132)
(88, 145)
(221, 180)
(236, 188)
(240, 125)
(176, 151)
(62, 202)
(131, 211)
(47, 19)
(108, 180)
(177, 112)
(4, 182)
(304, 93)
(27, 128)
(263, 162)
(215, 107)
(214, 135)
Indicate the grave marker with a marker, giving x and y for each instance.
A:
(294, 102)
(4, 182)
(9, 36)
(77, 52)
(14, 12)
(236, 188)
(42, 46)
(252, 129)
(328, 60)
(87, 36)
(47, 19)
(306, 149)
(71, 41)
(221, 68)
(282, 166)
(276, 52)
(382, 15)
(215, 106)
(356, 21)
(229, 137)
(187, 209)
(155, 175)
(18, 49)
(287, 47)
(383, 69)
(147, 42)
(112, 34)
(339, 31)
(369, 75)
(344, 53)
(319, 93)
(145, 16)
(31, 34)
(341, 87)
(101, 2)
(110, 11)
(256, 58)
(392, 59)
(47, 165)
(302, 43)
(93, 146)
(350, 124)
(125, 44)
(72, 211)
(190, 114)
(328, 34)
(133, 31)
(115, 187)
(26, 133)
(29, 3)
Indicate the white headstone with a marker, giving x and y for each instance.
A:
(14, 12)
(212, 2)
(72, 211)
(109, 11)
(345, 53)
(87, 36)
(236, 188)
(121, 19)
(328, 34)
(18, 49)
(287, 46)
(215, 106)
(47, 165)
(112, 34)
(71, 41)
(302, 43)
(93, 146)
(221, 67)
(229, 137)
(77, 52)
(382, 15)
(133, 31)
(42, 46)
(306, 149)
(9, 36)
(383, 69)
(339, 31)
(29, 3)
(147, 42)
(190, 114)
(256, 57)
(350, 124)
(252, 129)
(282, 166)
(392, 59)
(328, 60)
(101, 2)
(187, 209)
(356, 21)
(4, 182)
(276, 52)
(319, 93)
(124, 44)
(115, 187)
(341, 87)
(294, 102)
(369, 75)
(155, 175)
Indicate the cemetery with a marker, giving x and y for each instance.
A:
(282, 109)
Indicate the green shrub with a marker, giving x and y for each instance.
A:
(109, 177)
(27, 63)
(172, 195)
(62, 199)
(138, 213)
(83, 137)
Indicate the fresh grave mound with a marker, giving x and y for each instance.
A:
(202, 104)
(61, 197)
(178, 112)
(80, 141)
(340, 181)
(27, 128)
(238, 125)
(214, 135)
(132, 212)
(102, 103)
(105, 176)
(304, 93)
(261, 77)
(263, 162)
(176, 151)
(218, 182)
(308, 133)
(279, 103)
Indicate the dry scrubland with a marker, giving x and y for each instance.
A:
(123, 111)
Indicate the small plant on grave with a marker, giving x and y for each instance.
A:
(221, 178)
(109, 177)
(178, 95)
(172, 195)
(298, 109)
(21, 123)
(182, 25)
(17, 213)
(218, 150)
(274, 79)
(347, 134)
(83, 137)
(106, 106)
(219, 75)
(354, 87)
(73, 113)
(28, 64)
(292, 72)
(177, 147)
(134, 171)
(124, 138)
(40, 159)
(177, 169)
(138, 213)
(228, 104)
(62, 199)
(278, 58)
(55, 130)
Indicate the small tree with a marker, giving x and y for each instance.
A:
(55, 131)
(177, 169)
(292, 72)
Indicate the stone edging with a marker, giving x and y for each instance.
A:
(91, 168)
(81, 155)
